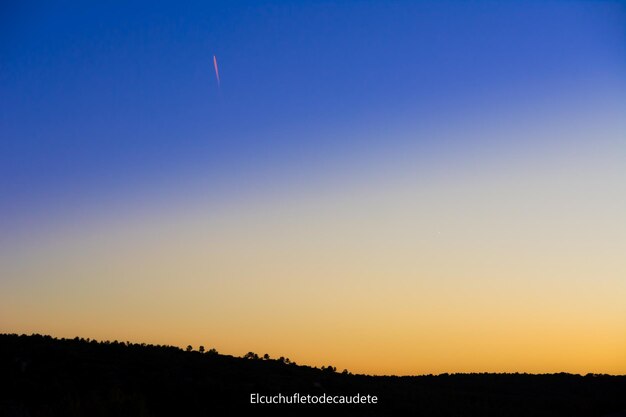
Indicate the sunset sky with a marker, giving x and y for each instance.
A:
(390, 187)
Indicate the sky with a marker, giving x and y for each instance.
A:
(388, 187)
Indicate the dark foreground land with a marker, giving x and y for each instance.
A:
(44, 376)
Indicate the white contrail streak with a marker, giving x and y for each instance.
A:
(217, 71)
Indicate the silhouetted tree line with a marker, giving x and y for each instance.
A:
(45, 376)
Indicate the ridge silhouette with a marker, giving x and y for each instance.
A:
(45, 376)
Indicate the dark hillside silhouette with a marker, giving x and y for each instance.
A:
(44, 376)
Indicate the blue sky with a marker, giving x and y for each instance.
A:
(99, 97)
(373, 185)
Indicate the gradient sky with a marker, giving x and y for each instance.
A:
(389, 187)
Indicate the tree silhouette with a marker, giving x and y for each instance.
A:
(201, 349)
(251, 355)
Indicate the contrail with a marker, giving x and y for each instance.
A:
(217, 71)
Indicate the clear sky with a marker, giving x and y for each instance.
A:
(391, 187)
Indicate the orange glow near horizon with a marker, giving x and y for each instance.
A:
(514, 267)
